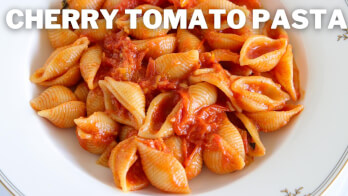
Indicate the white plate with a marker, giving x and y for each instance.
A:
(38, 159)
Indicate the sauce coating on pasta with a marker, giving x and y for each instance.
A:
(157, 105)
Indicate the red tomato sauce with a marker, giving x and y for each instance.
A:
(163, 110)
(122, 60)
(196, 125)
(153, 84)
(136, 175)
(119, 109)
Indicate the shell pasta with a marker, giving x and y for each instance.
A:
(155, 106)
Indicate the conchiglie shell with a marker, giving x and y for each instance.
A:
(259, 150)
(93, 143)
(158, 46)
(64, 114)
(188, 41)
(228, 41)
(257, 93)
(129, 95)
(236, 69)
(194, 166)
(159, 114)
(232, 136)
(141, 32)
(95, 101)
(90, 63)
(163, 170)
(98, 123)
(121, 5)
(114, 108)
(261, 53)
(218, 79)
(96, 132)
(127, 132)
(95, 35)
(81, 91)
(202, 95)
(269, 121)
(52, 97)
(296, 74)
(60, 61)
(225, 55)
(177, 65)
(284, 72)
(85, 4)
(69, 78)
(218, 4)
(220, 157)
(277, 33)
(250, 4)
(121, 160)
(61, 37)
(174, 144)
(104, 157)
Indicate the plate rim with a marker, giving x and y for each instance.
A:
(320, 190)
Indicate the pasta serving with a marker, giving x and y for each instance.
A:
(158, 104)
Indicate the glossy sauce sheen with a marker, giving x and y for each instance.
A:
(211, 92)
(261, 49)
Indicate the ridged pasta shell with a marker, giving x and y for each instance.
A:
(104, 157)
(52, 97)
(284, 72)
(218, 79)
(98, 123)
(158, 46)
(82, 91)
(60, 61)
(225, 55)
(92, 143)
(269, 121)
(121, 5)
(69, 78)
(257, 93)
(218, 4)
(125, 167)
(63, 115)
(232, 136)
(141, 32)
(61, 37)
(177, 65)
(193, 167)
(174, 144)
(158, 117)
(236, 69)
(95, 101)
(277, 33)
(188, 41)
(202, 95)
(220, 157)
(85, 4)
(95, 35)
(163, 170)
(129, 95)
(90, 63)
(228, 41)
(261, 53)
(127, 132)
(259, 149)
(96, 132)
